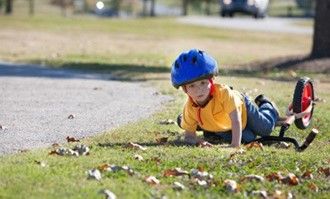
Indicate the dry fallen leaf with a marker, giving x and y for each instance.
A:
(326, 171)
(291, 179)
(205, 144)
(97, 88)
(41, 163)
(231, 185)
(157, 160)
(136, 146)
(71, 116)
(104, 167)
(55, 145)
(152, 180)
(53, 152)
(201, 175)
(108, 194)
(138, 157)
(278, 195)
(317, 99)
(274, 176)
(253, 177)
(292, 73)
(162, 140)
(178, 186)
(76, 151)
(313, 187)
(202, 183)
(94, 174)
(128, 169)
(237, 152)
(71, 139)
(167, 122)
(175, 172)
(109, 167)
(82, 149)
(307, 175)
(255, 145)
(262, 193)
(283, 145)
(3, 127)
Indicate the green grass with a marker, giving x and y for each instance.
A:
(159, 41)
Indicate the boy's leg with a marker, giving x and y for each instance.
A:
(261, 120)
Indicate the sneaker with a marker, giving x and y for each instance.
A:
(261, 99)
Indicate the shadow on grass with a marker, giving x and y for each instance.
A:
(70, 70)
(143, 144)
(117, 67)
(124, 72)
(266, 69)
(288, 68)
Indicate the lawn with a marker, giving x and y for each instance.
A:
(144, 49)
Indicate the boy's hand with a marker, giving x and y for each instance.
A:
(192, 139)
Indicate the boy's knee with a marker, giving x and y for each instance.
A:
(267, 129)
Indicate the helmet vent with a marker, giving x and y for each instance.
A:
(176, 65)
(200, 52)
(194, 60)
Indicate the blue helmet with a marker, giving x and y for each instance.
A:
(191, 66)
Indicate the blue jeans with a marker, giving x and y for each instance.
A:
(260, 122)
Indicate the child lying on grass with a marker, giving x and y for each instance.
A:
(216, 109)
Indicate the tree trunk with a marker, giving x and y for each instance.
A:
(31, 7)
(144, 8)
(9, 7)
(152, 8)
(207, 7)
(63, 8)
(185, 4)
(321, 38)
(85, 6)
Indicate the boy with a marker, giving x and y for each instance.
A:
(215, 108)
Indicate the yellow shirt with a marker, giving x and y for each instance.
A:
(214, 116)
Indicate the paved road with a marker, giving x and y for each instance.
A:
(35, 104)
(268, 24)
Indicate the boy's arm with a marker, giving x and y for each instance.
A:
(236, 130)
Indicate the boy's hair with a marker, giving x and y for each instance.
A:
(191, 66)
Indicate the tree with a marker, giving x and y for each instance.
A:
(152, 8)
(31, 7)
(321, 37)
(9, 7)
(207, 7)
(185, 7)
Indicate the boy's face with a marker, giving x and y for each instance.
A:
(199, 90)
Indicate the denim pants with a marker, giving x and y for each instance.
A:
(260, 122)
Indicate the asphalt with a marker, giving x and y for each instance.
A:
(268, 24)
(36, 103)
